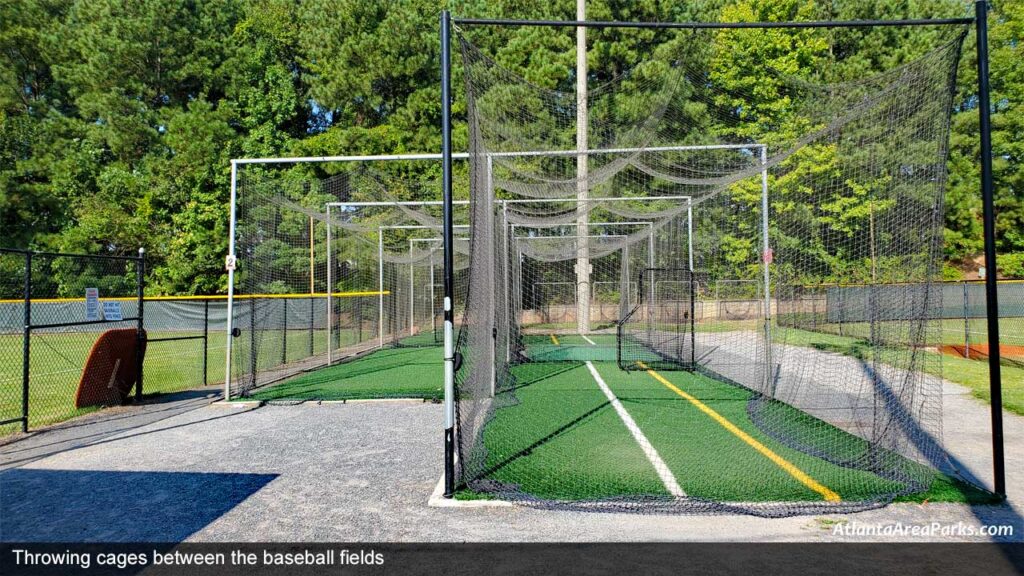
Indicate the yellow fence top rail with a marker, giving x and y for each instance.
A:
(211, 298)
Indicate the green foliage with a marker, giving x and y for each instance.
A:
(951, 273)
(1011, 265)
(118, 117)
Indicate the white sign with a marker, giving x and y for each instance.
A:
(92, 304)
(229, 263)
(981, 272)
(112, 310)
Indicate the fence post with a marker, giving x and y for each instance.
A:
(814, 312)
(26, 345)
(206, 337)
(252, 340)
(284, 332)
(967, 326)
(358, 313)
(140, 338)
(312, 308)
(718, 298)
(839, 307)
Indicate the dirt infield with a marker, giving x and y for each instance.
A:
(980, 351)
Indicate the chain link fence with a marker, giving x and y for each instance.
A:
(960, 325)
(45, 344)
(46, 335)
(54, 308)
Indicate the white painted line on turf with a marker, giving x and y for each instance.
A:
(652, 455)
(584, 336)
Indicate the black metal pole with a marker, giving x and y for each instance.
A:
(140, 333)
(714, 25)
(449, 285)
(284, 331)
(26, 345)
(206, 337)
(252, 341)
(693, 321)
(989, 217)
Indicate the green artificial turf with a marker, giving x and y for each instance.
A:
(388, 373)
(561, 439)
(564, 441)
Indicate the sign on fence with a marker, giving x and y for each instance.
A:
(92, 304)
(112, 310)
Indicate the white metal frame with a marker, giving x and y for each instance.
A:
(433, 282)
(380, 264)
(449, 401)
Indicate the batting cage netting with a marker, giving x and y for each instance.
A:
(638, 331)
(331, 268)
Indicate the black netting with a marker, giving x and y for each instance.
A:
(688, 361)
(332, 269)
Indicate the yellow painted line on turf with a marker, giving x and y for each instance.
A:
(554, 340)
(667, 478)
(767, 452)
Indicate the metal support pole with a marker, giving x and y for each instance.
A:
(522, 281)
(433, 299)
(358, 312)
(583, 272)
(840, 307)
(989, 217)
(284, 331)
(330, 293)
(253, 358)
(506, 261)
(412, 302)
(967, 324)
(312, 324)
(26, 344)
(689, 231)
(312, 262)
(229, 324)
(651, 263)
(380, 287)
(140, 332)
(206, 339)
(449, 313)
(766, 260)
(693, 322)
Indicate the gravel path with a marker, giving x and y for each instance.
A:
(189, 470)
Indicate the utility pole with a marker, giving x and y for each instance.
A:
(582, 187)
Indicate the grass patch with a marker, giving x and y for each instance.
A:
(970, 373)
(57, 359)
